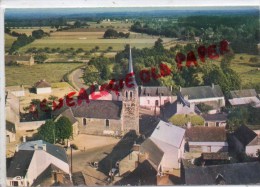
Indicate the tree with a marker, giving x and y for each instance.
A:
(38, 34)
(77, 24)
(236, 117)
(47, 131)
(40, 58)
(63, 128)
(204, 108)
(111, 33)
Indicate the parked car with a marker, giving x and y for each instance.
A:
(113, 172)
(93, 165)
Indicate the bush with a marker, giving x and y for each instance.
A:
(253, 59)
(74, 146)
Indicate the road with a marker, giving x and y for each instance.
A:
(76, 79)
(80, 161)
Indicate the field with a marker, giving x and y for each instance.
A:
(9, 41)
(89, 40)
(28, 30)
(28, 75)
(249, 71)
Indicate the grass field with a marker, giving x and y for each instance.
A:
(9, 41)
(28, 75)
(248, 71)
(88, 41)
(28, 30)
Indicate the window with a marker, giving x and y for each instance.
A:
(206, 124)
(217, 124)
(107, 123)
(131, 95)
(148, 101)
(126, 95)
(84, 121)
(156, 103)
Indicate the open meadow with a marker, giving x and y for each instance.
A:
(28, 75)
(9, 41)
(89, 40)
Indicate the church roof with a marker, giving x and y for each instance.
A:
(100, 109)
(155, 91)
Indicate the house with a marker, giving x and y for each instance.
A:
(10, 132)
(108, 117)
(154, 97)
(215, 120)
(165, 147)
(42, 87)
(224, 174)
(179, 106)
(246, 140)
(75, 124)
(18, 91)
(209, 95)
(19, 59)
(206, 139)
(34, 162)
(12, 108)
(244, 97)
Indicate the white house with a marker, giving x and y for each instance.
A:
(42, 87)
(155, 97)
(244, 97)
(34, 158)
(209, 95)
(246, 140)
(206, 139)
(165, 147)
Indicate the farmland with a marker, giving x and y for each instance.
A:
(89, 40)
(8, 41)
(28, 75)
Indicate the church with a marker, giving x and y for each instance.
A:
(108, 117)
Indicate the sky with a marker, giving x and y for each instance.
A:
(122, 3)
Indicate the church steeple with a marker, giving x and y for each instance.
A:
(130, 63)
(130, 67)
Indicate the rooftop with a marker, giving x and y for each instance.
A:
(201, 92)
(215, 117)
(238, 173)
(155, 91)
(206, 134)
(243, 93)
(42, 84)
(245, 135)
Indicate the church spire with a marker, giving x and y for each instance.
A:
(130, 64)
(130, 67)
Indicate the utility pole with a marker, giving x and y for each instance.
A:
(71, 160)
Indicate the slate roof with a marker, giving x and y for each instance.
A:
(42, 84)
(155, 153)
(243, 93)
(78, 179)
(238, 173)
(15, 58)
(144, 174)
(155, 91)
(215, 156)
(20, 163)
(215, 117)
(168, 133)
(54, 150)
(201, 92)
(10, 127)
(245, 135)
(206, 134)
(68, 114)
(100, 109)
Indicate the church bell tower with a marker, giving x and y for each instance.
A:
(130, 102)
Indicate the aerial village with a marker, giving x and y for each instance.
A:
(102, 99)
(148, 147)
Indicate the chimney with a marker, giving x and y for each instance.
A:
(44, 147)
(24, 139)
(35, 146)
(189, 125)
(171, 88)
(212, 85)
(180, 88)
(16, 148)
